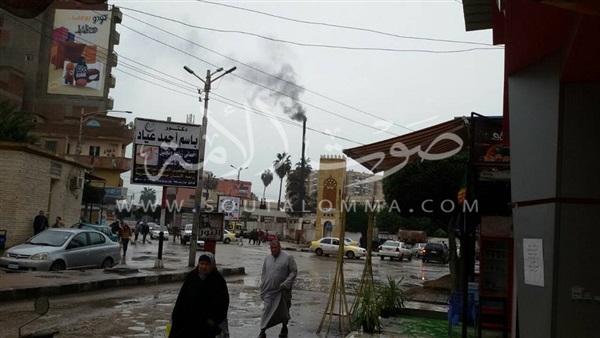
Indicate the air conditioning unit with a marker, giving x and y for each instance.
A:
(76, 183)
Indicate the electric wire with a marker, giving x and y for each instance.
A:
(343, 26)
(274, 76)
(302, 44)
(256, 83)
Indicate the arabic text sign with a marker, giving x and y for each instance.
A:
(211, 226)
(166, 153)
(160, 133)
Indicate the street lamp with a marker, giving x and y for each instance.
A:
(198, 196)
(238, 175)
(84, 117)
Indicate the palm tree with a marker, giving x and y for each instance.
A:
(307, 166)
(16, 126)
(282, 166)
(267, 178)
(210, 182)
(148, 195)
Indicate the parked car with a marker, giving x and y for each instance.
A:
(394, 249)
(155, 232)
(417, 249)
(438, 252)
(330, 245)
(105, 229)
(60, 249)
(187, 234)
(351, 241)
(228, 236)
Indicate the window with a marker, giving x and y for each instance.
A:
(78, 241)
(94, 151)
(51, 146)
(96, 238)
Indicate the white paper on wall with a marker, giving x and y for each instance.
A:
(533, 259)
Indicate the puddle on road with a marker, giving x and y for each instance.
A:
(139, 329)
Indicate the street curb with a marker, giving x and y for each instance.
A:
(114, 280)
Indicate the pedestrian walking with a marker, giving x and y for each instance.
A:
(144, 231)
(40, 223)
(138, 227)
(202, 304)
(279, 272)
(58, 223)
(176, 232)
(125, 234)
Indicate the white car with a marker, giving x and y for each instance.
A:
(187, 234)
(394, 249)
(228, 237)
(330, 246)
(155, 232)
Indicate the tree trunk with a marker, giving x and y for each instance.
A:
(280, 186)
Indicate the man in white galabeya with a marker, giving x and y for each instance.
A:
(277, 278)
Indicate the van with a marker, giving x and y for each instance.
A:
(412, 236)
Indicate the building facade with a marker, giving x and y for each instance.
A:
(54, 185)
(58, 66)
(360, 187)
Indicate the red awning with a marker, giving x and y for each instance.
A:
(436, 142)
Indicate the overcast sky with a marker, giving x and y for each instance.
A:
(351, 95)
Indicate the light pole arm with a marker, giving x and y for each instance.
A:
(227, 72)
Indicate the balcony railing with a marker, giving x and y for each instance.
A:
(121, 164)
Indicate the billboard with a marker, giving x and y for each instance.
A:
(166, 153)
(211, 226)
(230, 206)
(79, 51)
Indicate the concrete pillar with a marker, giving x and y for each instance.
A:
(555, 156)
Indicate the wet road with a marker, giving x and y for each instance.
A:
(143, 311)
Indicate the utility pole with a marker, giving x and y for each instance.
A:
(202, 151)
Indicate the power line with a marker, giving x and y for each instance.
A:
(343, 26)
(240, 105)
(302, 44)
(272, 76)
(254, 82)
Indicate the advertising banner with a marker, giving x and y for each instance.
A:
(79, 52)
(115, 192)
(166, 153)
(230, 206)
(211, 226)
